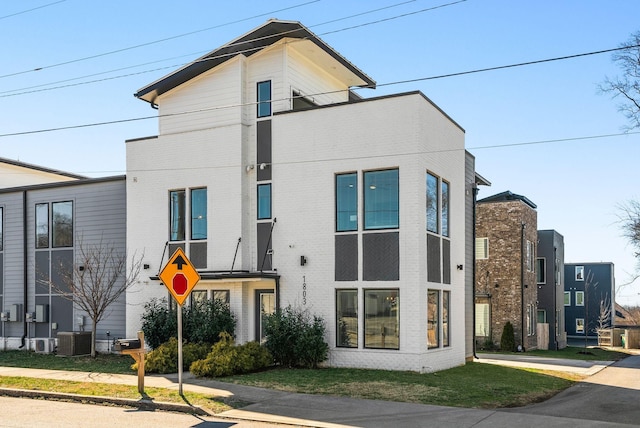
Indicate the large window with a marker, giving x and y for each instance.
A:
(347, 318)
(381, 199)
(346, 202)
(433, 317)
(432, 203)
(199, 214)
(62, 224)
(177, 213)
(381, 318)
(264, 201)
(42, 225)
(264, 98)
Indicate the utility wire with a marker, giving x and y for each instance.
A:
(152, 42)
(481, 70)
(15, 92)
(31, 10)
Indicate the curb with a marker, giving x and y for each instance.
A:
(142, 404)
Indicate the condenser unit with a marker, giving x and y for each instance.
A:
(72, 343)
(44, 346)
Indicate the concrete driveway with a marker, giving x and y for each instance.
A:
(611, 395)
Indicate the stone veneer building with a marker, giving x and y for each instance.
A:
(506, 235)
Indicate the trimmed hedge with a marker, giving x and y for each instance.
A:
(164, 359)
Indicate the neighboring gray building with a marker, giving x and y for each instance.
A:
(550, 280)
(41, 227)
(589, 298)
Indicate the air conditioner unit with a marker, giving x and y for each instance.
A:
(72, 343)
(44, 346)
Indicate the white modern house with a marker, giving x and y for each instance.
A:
(284, 187)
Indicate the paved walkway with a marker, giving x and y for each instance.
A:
(337, 412)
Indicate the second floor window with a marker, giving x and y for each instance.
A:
(264, 201)
(381, 199)
(346, 202)
(197, 214)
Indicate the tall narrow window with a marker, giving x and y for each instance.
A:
(381, 199)
(347, 318)
(381, 319)
(541, 270)
(42, 225)
(176, 214)
(264, 201)
(567, 298)
(579, 273)
(199, 214)
(346, 202)
(264, 98)
(445, 317)
(433, 315)
(62, 224)
(445, 208)
(579, 298)
(432, 203)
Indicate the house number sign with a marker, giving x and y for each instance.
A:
(304, 290)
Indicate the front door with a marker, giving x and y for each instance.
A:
(265, 305)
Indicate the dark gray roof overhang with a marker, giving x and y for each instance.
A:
(247, 45)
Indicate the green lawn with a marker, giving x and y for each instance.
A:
(576, 353)
(103, 363)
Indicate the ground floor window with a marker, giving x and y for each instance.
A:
(433, 317)
(446, 298)
(579, 325)
(381, 318)
(347, 318)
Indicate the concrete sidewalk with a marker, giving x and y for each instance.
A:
(306, 410)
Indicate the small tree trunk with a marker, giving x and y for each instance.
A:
(93, 340)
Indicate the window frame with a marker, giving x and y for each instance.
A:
(340, 340)
(446, 318)
(57, 237)
(567, 298)
(263, 107)
(394, 302)
(177, 214)
(202, 217)
(371, 205)
(579, 300)
(46, 225)
(445, 208)
(485, 248)
(433, 319)
(264, 198)
(579, 273)
(432, 196)
(350, 199)
(541, 270)
(580, 326)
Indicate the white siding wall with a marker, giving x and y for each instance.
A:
(309, 148)
(215, 96)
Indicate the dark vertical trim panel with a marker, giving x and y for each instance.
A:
(446, 261)
(433, 258)
(381, 256)
(264, 244)
(346, 257)
(263, 131)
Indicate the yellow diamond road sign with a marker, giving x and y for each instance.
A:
(179, 276)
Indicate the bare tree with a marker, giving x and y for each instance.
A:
(627, 87)
(604, 316)
(98, 278)
(589, 286)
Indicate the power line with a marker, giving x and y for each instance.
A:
(31, 10)
(326, 92)
(25, 90)
(152, 42)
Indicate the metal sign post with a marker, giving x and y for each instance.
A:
(179, 276)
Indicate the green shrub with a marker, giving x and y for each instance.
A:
(295, 338)
(164, 359)
(226, 359)
(201, 323)
(507, 341)
(159, 323)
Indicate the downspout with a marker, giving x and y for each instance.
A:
(25, 270)
(522, 261)
(474, 188)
